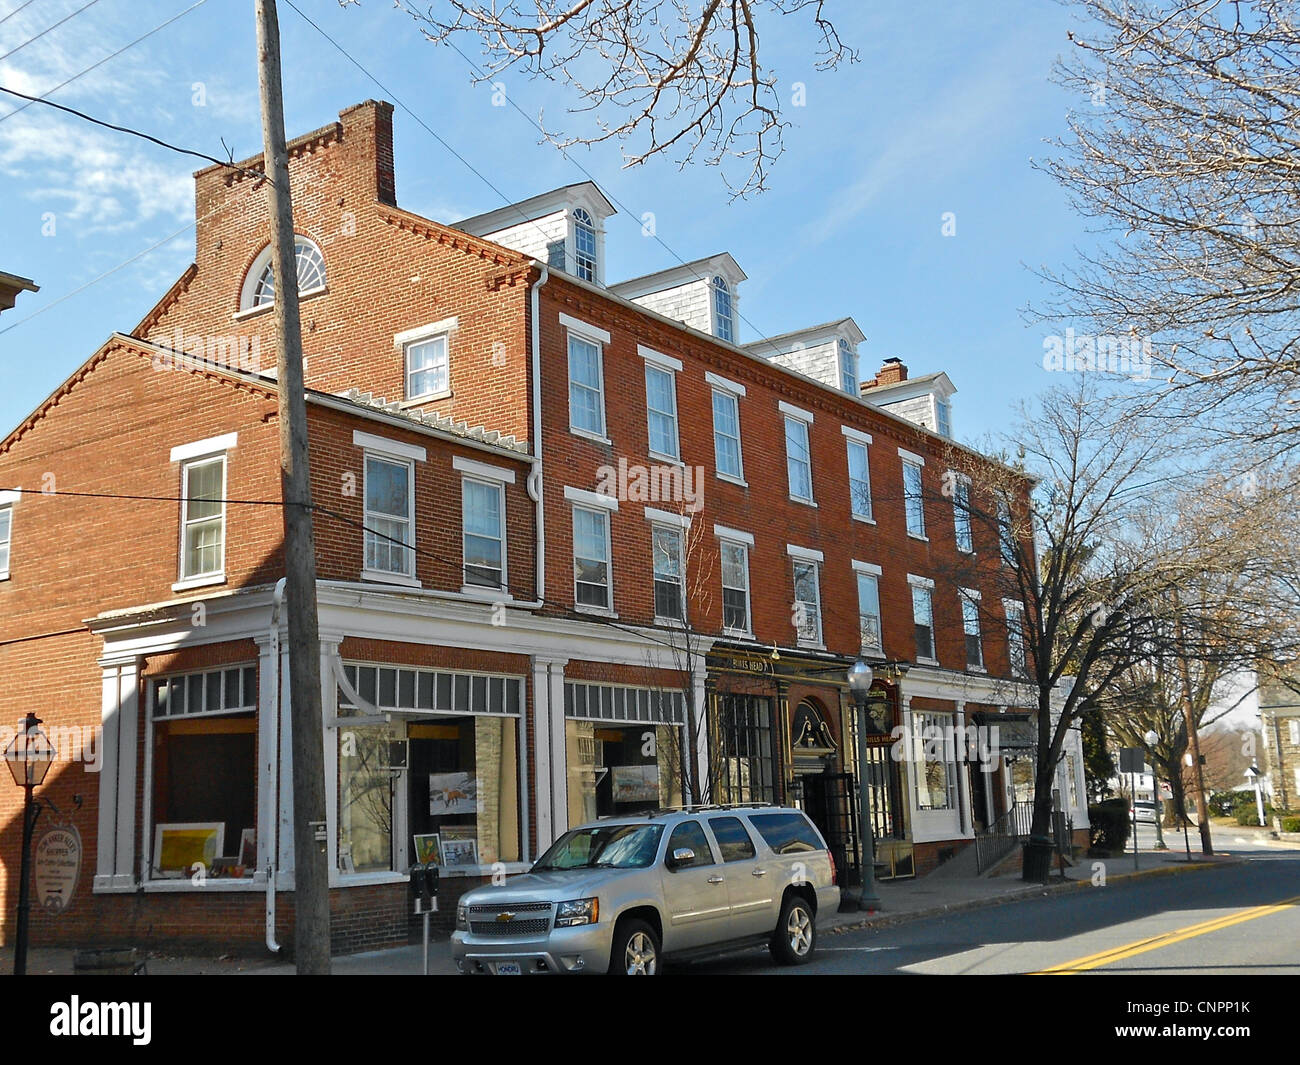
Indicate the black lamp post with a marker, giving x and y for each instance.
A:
(28, 757)
(860, 677)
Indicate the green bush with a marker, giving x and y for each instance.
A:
(1249, 815)
(1109, 825)
(1291, 823)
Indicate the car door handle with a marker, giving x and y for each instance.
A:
(759, 872)
(715, 880)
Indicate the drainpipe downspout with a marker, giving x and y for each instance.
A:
(273, 844)
(536, 494)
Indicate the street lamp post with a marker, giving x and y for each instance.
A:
(1152, 737)
(28, 757)
(860, 677)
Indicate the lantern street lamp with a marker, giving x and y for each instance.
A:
(860, 677)
(28, 758)
(1153, 737)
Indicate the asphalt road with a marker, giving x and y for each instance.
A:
(1241, 919)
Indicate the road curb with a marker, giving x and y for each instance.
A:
(888, 920)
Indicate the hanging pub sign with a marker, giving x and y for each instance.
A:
(57, 867)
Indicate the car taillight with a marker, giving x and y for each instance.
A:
(835, 876)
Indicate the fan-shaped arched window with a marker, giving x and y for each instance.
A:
(259, 284)
(724, 327)
(584, 244)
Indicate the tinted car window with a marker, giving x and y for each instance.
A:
(733, 840)
(787, 833)
(690, 834)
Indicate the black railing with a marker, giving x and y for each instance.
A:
(1000, 838)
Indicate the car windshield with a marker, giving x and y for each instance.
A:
(604, 847)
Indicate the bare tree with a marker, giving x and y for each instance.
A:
(1184, 148)
(683, 80)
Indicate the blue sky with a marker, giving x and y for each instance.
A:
(949, 102)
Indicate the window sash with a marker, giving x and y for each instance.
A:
(859, 480)
(6, 533)
(848, 368)
(1016, 642)
(923, 622)
(389, 519)
(1006, 539)
(584, 247)
(807, 598)
(722, 310)
(669, 578)
(427, 367)
(970, 619)
(203, 518)
(735, 587)
(661, 410)
(483, 530)
(961, 516)
(936, 777)
(869, 612)
(913, 503)
(726, 433)
(591, 575)
(586, 390)
(798, 463)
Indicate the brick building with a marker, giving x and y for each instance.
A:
(579, 551)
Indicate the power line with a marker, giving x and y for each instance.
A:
(95, 66)
(135, 133)
(43, 32)
(15, 11)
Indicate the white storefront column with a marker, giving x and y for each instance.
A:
(329, 704)
(704, 775)
(551, 767)
(268, 752)
(284, 807)
(119, 742)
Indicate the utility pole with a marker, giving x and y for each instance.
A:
(311, 940)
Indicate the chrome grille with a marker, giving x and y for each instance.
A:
(509, 907)
(535, 927)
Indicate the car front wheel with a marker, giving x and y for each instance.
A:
(796, 933)
(635, 951)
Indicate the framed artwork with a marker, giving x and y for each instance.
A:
(635, 783)
(248, 848)
(428, 848)
(459, 846)
(453, 793)
(177, 847)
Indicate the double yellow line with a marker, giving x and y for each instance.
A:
(1106, 957)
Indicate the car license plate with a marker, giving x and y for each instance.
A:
(509, 968)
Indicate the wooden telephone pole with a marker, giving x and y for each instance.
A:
(311, 940)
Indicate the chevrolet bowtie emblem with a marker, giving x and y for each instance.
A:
(507, 916)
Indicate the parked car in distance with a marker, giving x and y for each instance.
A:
(622, 894)
(1143, 811)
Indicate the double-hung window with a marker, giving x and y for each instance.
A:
(593, 588)
(7, 501)
(1015, 636)
(848, 368)
(425, 351)
(669, 573)
(970, 623)
(726, 427)
(734, 556)
(923, 617)
(859, 473)
(869, 607)
(389, 510)
(798, 453)
(1006, 536)
(961, 514)
(661, 403)
(724, 326)
(807, 608)
(586, 377)
(203, 508)
(483, 522)
(584, 246)
(913, 499)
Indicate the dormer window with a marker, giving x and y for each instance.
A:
(942, 417)
(723, 325)
(584, 245)
(259, 283)
(848, 368)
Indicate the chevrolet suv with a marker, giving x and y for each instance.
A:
(621, 894)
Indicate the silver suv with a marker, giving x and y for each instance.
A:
(622, 893)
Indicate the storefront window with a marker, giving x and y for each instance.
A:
(936, 777)
(745, 741)
(366, 784)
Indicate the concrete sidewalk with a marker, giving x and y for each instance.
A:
(901, 901)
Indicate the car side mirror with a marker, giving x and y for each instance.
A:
(681, 856)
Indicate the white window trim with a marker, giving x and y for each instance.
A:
(918, 463)
(724, 388)
(856, 435)
(867, 567)
(590, 499)
(411, 579)
(920, 582)
(666, 362)
(722, 532)
(957, 510)
(390, 448)
(668, 517)
(670, 525)
(584, 329)
(404, 340)
(795, 412)
(810, 499)
(737, 540)
(662, 364)
(928, 585)
(258, 267)
(911, 456)
(606, 611)
(8, 501)
(864, 441)
(973, 596)
(425, 332)
(482, 470)
(494, 591)
(734, 387)
(199, 580)
(200, 448)
(805, 554)
(816, 563)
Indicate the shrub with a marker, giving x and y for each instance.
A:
(1109, 825)
(1291, 823)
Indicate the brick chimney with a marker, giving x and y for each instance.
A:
(368, 132)
(891, 373)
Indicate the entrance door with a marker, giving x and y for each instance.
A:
(831, 801)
